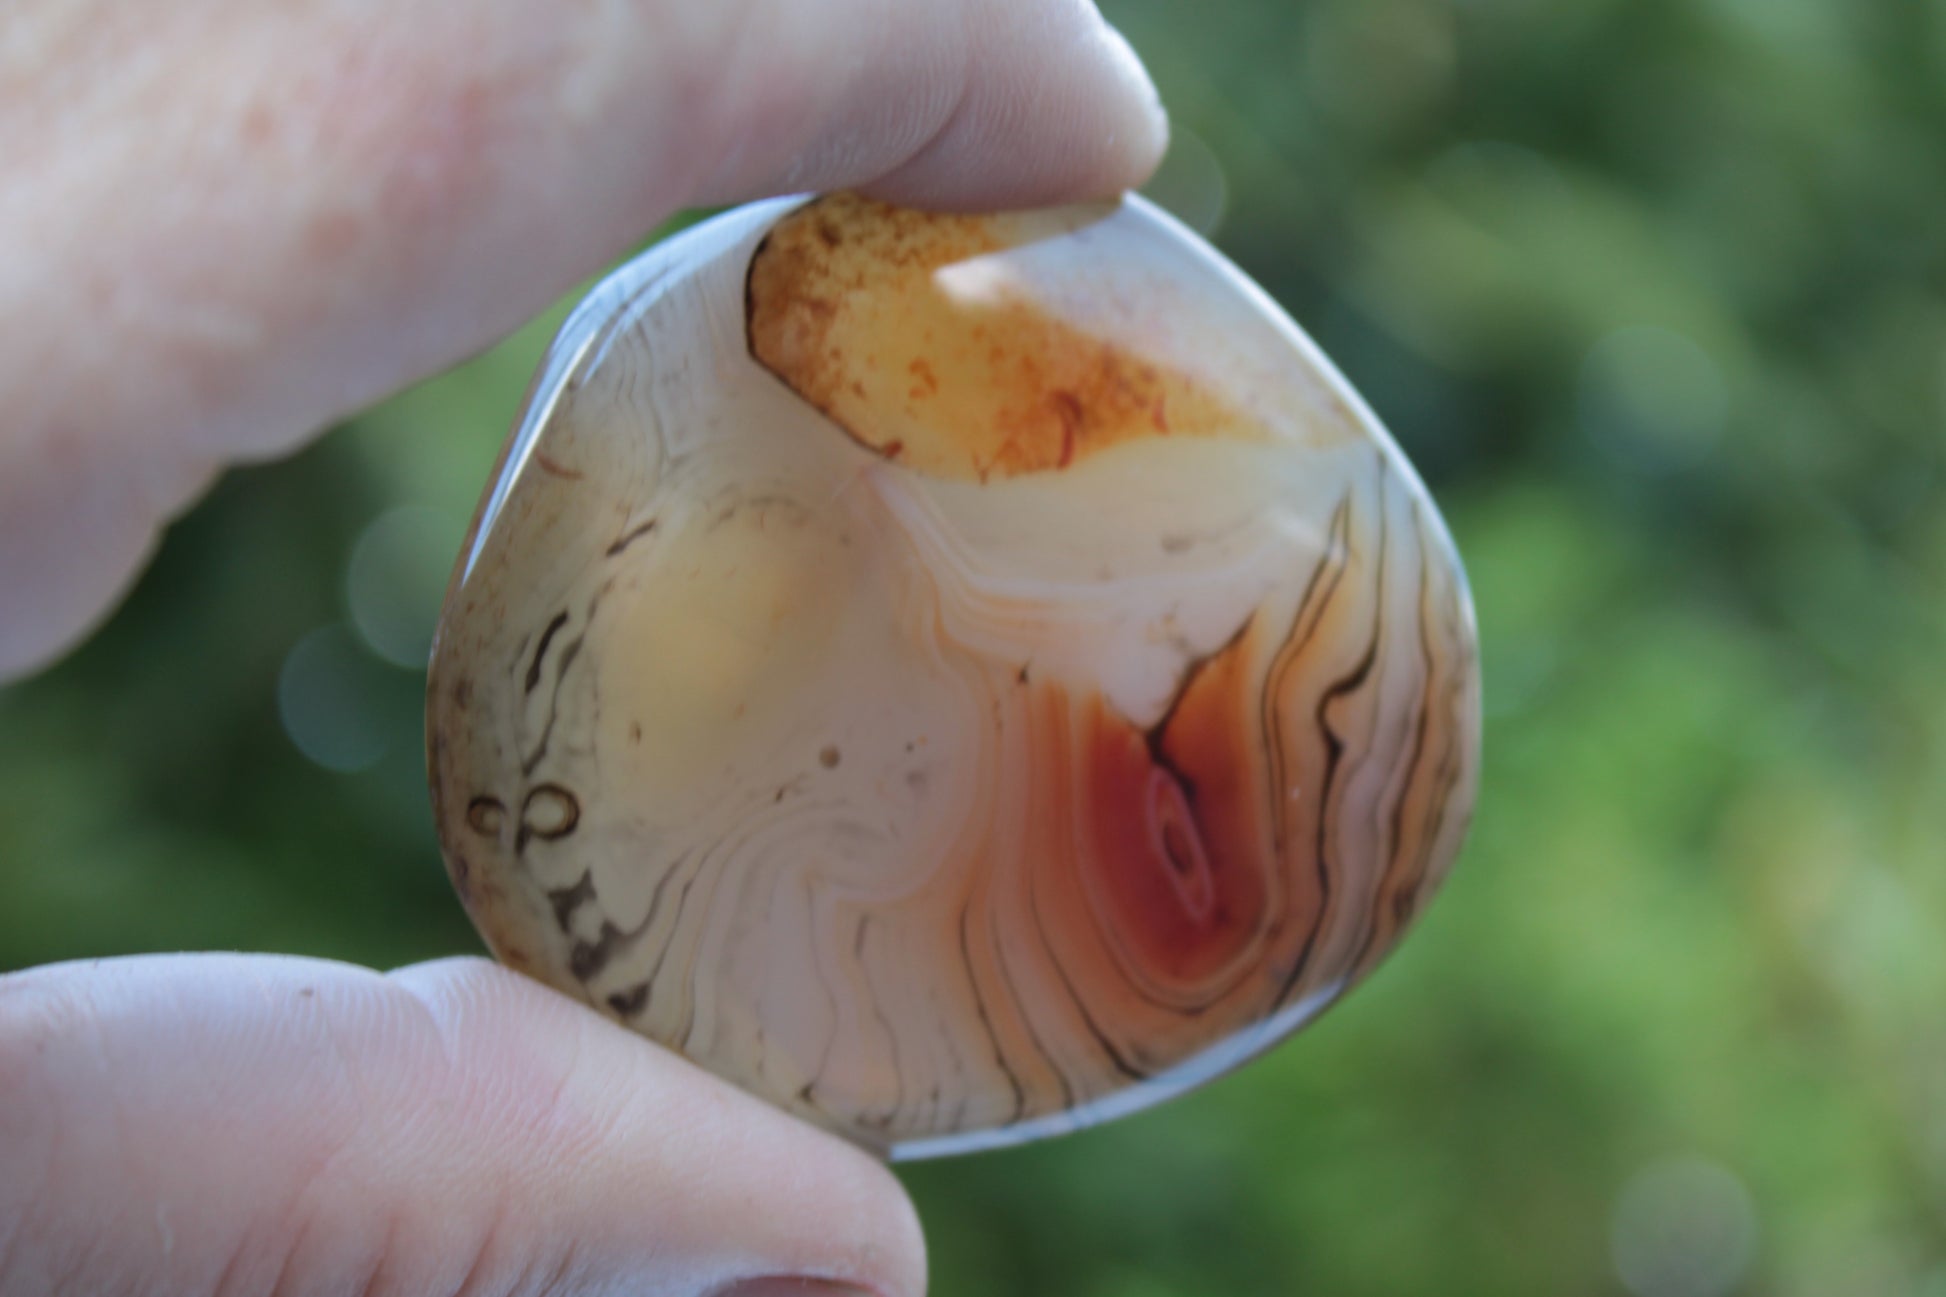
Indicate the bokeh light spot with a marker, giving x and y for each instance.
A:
(328, 698)
(396, 579)
(1684, 1227)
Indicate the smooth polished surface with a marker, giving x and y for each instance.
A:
(956, 677)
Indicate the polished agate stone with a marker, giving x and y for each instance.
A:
(959, 678)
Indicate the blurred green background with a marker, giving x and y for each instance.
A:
(1654, 292)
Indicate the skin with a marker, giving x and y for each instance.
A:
(231, 224)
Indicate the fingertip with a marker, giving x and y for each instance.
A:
(1058, 109)
(1141, 153)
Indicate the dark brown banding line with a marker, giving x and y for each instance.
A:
(830, 998)
(630, 537)
(1343, 687)
(568, 655)
(556, 792)
(1114, 1055)
(655, 901)
(627, 1004)
(1386, 824)
(566, 900)
(1334, 753)
(1453, 759)
(675, 920)
(1156, 734)
(959, 1068)
(540, 649)
(1317, 598)
(588, 958)
(1027, 1022)
(986, 1022)
(481, 813)
(1429, 659)
(527, 833)
(1400, 865)
(1319, 594)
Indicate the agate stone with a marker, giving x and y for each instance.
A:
(959, 678)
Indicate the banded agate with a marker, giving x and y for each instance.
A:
(958, 678)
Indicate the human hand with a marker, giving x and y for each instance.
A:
(229, 224)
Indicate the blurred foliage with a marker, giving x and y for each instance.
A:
(1654, 292)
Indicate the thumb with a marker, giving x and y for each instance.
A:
(232, 223)
(206, 1124)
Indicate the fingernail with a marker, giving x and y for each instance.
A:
(787, 1287)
